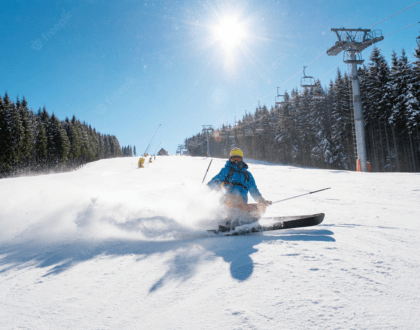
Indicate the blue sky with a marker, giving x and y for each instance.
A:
(125, 67)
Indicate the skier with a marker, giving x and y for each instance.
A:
(237, 181)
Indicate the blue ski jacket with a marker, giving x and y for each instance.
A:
(239, 183)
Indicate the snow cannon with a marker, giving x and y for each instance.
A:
(141, 162)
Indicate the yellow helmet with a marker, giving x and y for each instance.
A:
(236, 152)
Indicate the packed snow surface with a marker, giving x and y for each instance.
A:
(110, 246)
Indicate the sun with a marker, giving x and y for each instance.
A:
(230, 33)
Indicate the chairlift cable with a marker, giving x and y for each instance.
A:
(401, 29)
(394, 15)
(323, 53)
(331, 70)
(259, 119)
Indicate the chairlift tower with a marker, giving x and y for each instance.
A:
(182, 148)
(352, 42)
(207, 129)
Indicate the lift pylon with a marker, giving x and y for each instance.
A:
(348, 59)
(354, 39)
(353, 42)
(207, 129)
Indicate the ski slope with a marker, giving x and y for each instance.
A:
(111, 246)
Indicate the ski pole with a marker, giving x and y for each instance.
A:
(312, 192)
(206, 171)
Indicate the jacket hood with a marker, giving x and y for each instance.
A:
(242, 166)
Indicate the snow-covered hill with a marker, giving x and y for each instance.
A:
(111, 246)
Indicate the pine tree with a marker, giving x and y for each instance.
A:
(101, 154)
(391, 96)
(106, 146)
(41, 145)
(376, 107)
(284, 138)
(117, 147)
(34, 127)
(304, 125)
(85, 146)
(5, 143)
(27, 139)
(340, 119)
(59, 142)
(75, 141)
(322, 146)
(412, 97)
(12, 135)
(398, 85)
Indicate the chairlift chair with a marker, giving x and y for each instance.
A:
(307, 81)
(279, 99)
(418, 40)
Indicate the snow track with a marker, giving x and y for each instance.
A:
(114, 247)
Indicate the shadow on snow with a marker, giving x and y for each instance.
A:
(60, 256)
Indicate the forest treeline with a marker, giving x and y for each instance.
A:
(315, 127)
(38, 143)
(128, 151)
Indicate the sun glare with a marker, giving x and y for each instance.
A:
(230, 33)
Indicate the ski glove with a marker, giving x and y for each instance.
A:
(263, 201)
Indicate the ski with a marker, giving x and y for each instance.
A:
(285, 222)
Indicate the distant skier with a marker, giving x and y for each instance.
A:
(237, 181)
